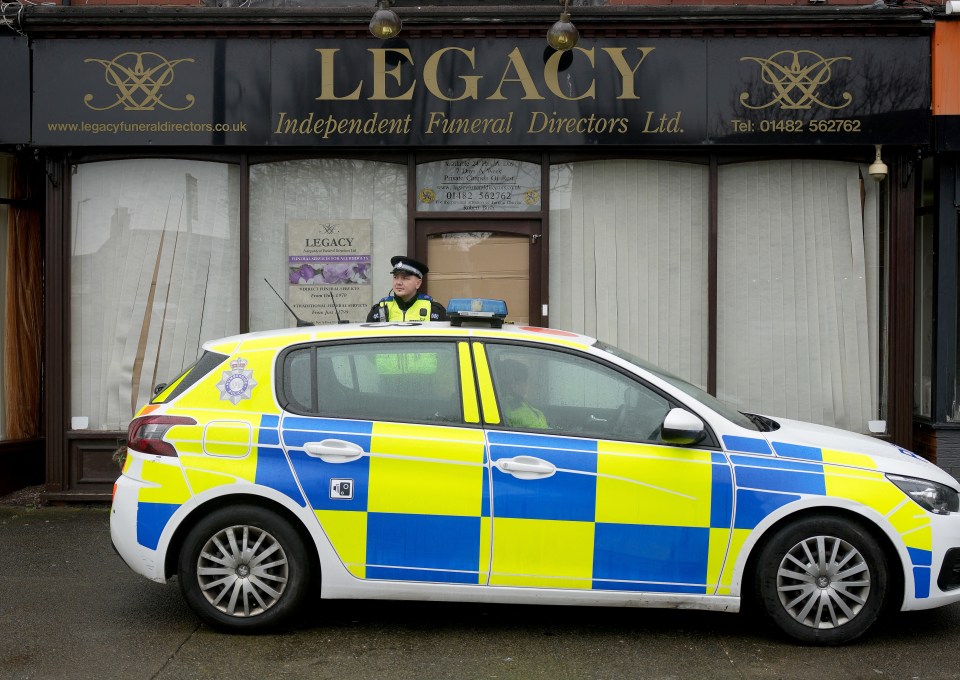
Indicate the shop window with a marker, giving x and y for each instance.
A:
(925, 236)
(154, 272)
(798, 327)
(6, 163)
(628, 258)
(322, 232)
(953, 413)
(924, 266)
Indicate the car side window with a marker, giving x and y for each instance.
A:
(561, 393)
(395, 381)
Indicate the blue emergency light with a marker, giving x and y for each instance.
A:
(478, 310)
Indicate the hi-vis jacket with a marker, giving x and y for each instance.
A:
(422, 308)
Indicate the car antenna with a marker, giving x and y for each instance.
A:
(335, 310)
(300, 322)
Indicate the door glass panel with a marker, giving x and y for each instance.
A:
(398, 381)
(481, 265)
(564, 394)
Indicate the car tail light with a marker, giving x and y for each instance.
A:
(146, 433)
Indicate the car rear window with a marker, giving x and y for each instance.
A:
(206, 363)
(394, 381)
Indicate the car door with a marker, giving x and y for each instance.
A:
(384, 439)
(585, 496)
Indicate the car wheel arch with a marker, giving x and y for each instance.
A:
(892, 556)
(218, 502)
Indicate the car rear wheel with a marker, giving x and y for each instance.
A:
(243, 568)
(822, 580)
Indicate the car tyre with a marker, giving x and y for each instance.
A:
(822, 580)
(244, 569)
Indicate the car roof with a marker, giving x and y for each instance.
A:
(290, 336)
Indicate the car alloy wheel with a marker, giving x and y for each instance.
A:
(242, 571)
(244, 568)
(823, 582)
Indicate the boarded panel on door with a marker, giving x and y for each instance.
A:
(481, 264)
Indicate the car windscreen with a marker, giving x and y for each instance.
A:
(723, 408)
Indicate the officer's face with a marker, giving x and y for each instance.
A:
(405, 285)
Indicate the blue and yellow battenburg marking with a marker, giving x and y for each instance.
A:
(420, 509)
(774, 477)
(428, 502)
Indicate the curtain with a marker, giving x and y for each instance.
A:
(317, 189)
(23, 313)
(628, 258)
(798, 291)
(154, 273)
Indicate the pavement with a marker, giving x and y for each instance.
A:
(71, 609)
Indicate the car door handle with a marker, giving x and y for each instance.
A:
(334, 450)
(527, 467)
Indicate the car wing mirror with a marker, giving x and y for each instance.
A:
(682, 428)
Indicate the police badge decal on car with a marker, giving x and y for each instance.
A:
(237, 383)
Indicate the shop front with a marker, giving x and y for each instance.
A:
(733, 198)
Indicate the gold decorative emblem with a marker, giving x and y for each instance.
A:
(531, 196)
(427, 195)
(796, 77)
(139, 78)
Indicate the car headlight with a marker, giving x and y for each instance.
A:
(931, 496)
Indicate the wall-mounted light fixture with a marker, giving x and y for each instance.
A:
(563, 35)
(385, 22)
(878, 169)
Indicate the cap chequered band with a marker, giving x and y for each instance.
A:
(408, 268)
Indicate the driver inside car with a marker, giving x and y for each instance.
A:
(517, 410)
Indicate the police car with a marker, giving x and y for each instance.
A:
(466, 462)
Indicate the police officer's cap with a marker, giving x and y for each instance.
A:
(402, 263)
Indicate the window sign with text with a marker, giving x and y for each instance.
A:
(329, 269)
(478, 184)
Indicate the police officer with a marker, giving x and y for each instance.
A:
(405, 303)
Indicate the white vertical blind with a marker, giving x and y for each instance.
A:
(628, 258)
(320, 188)
(154, 273)
(798, 291)
(4, 212)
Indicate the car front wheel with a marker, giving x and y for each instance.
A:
(243, 568)
(822, 580)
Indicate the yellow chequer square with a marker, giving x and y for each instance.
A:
(347, 531)
(635, 487)
(542, 553)
(172, 486)
(921, 539)
(407, 486)
(239, 468)
(720, 569)
(869, 488)
(426, 470)
(913, 524)
(201, 480)
(846, 458)
(425, 441)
